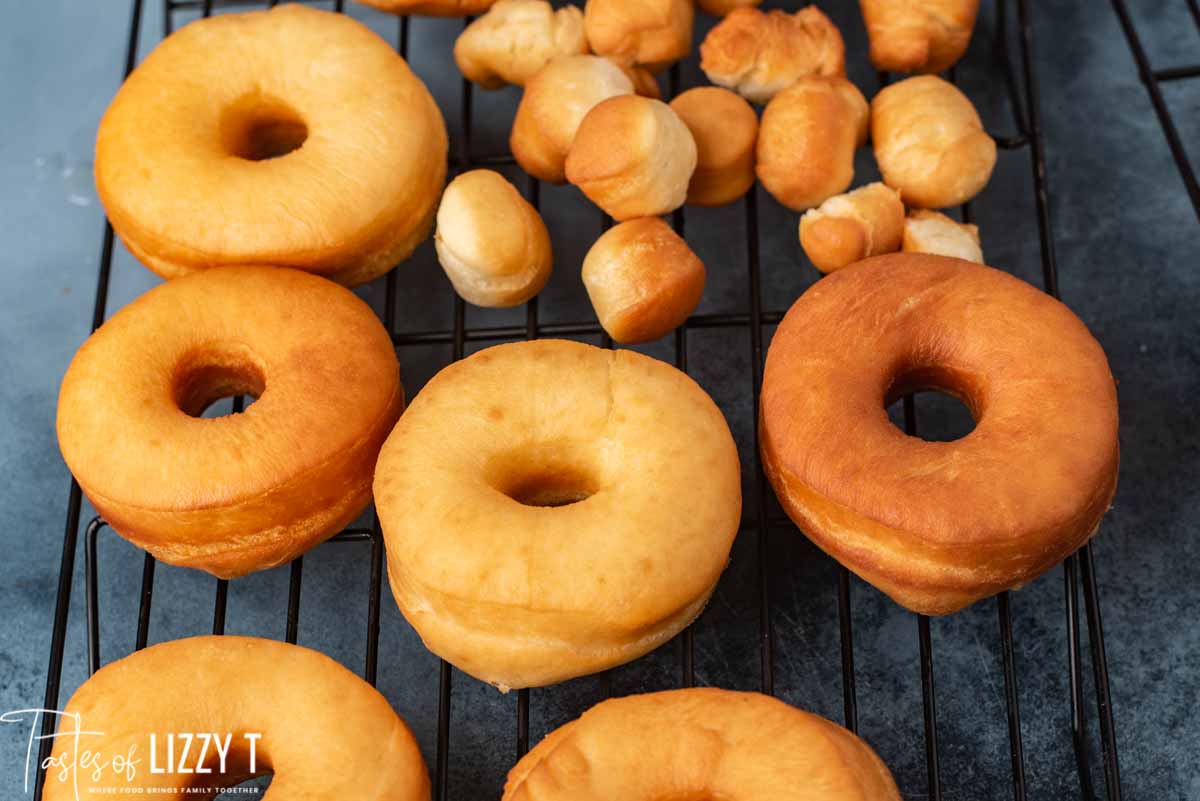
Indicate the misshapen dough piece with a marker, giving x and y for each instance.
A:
(807, 138)
(515, 39)
(847, 228)
(930, 143)
(918, 35)
(633, 157)
(555, 102)
(643, 280)
(933, 232)
(760, 53)
(492, 244)
(652, 33)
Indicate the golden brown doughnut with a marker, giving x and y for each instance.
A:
(321, 731)
(555, 102)
(725, 128)
(847, 228)
(719, 8)
(930, 143)
(537, 500)
(432, 8)
(652, 33)
(492, 244)
(700, 743)
(633, 157)
(293, 137)
(248, 491)
(933, 232)
(918, 35)
(760, 53)
(643, 280)
(939, 525)
(515, 39)
(807, 139)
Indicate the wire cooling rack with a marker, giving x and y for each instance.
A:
(1021, 87)
(1153, 79)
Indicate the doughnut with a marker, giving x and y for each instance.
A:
(918, 35)
(555, 101)
(292, 137)
(492, 244)
(432, 8)
(515, 39)
(725, 128)
(633, 157)
(760, 53)
(847, 228)
(933, 232)
(930, 143)
(643, 280)
(248, 705)
(938, 525)
(807, 139)
(700, 743)
(248, 491)
(719, 8)
(552, 509)
(652, 33)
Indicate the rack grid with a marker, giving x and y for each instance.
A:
(1079, 569)
(1153, 79)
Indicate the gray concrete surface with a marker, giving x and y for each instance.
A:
(1128, 251)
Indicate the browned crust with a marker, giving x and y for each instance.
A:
(939, 525)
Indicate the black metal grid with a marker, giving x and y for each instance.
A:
(1078, 569)
(1153, 79)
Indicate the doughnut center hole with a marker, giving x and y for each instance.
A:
(943, 403)
(259, 127)
(551, 489)
(547, 476)
(210, 374)
(254, 787)
(238, 781)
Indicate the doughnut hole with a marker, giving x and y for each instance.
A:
(952, 401)
(547, 474)
(253, 788)
(220, 370)
(238, 781)
(258, 127)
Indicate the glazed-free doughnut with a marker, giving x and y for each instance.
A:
(432, 8)
(939, 525)
(847, 228)
(719, 8)
(930, 143)
(515, 39)
(555, 102)
(643, 280)
(700, 743)
(293, 137)
(725, 128)
(807, 139)
(633, 157)
(928, 231)
(552, 509)
(652, 33)
(271, 707)
(247, 491)
(759, 53)
(491, 242)
(918, 35)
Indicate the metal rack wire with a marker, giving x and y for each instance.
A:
(1078, 570)
(1153, 79)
